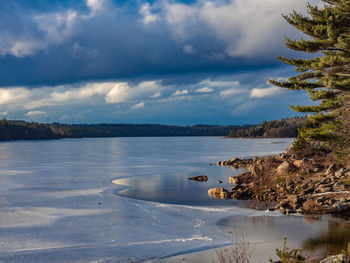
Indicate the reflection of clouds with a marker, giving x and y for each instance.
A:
(150, 188)
(38, 216)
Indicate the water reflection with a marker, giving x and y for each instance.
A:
(331, 240)
(320, 237)
(177, 189)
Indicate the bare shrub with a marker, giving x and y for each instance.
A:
(238, 252)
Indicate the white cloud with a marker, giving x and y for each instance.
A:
(147, 16)
(22, 98)
(189, 49)
(267, 92)
(147, 85)
(4, 113)
(180, 92)
(179, 17)
(13, 95)
(138, 106)
(95, 6)
(55, 28)
(35, 113)
(219, 83)
(230, 92)
(244, 27)
(21, 48)
(205, 90)
(155, 95)
(119, 93)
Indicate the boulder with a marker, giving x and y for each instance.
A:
(284, 168)
(341, 206)
(224, 195)
(235, 180)
(334, 259)
(219, 192)
(200, 178)
(340, 173)
(216, 191)
(299, 163)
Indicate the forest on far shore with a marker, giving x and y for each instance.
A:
(287, 127)
(21, 130)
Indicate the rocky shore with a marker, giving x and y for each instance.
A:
(290, 185)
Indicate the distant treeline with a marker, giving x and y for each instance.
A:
(21, 130)
(270, 129)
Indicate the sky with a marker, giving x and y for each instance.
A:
(161, 61)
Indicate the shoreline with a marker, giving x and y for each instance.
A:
(290, 185)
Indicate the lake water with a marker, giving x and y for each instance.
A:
(129, 199)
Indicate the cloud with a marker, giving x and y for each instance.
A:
(107, 101)
(79, 51)
(42, 30)
(119, 93)
(180, 92)
(233, 91)
(138, 106)
(4, 113)
(220, 83)
(179, 16)
(155, 95)
(147, 16)
(77, 41)
(243, 27)
(267, 92)
(205, 90)
(13, 95)
(95, 6)
(189, 49)
(35, 113)
(93, 93)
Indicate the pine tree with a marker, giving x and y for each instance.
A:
(326, 77)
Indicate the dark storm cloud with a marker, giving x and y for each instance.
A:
(72, 41)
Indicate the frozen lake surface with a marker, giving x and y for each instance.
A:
(129, 199)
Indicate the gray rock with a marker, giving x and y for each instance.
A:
(341, 206)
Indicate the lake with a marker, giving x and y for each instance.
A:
(129, 199)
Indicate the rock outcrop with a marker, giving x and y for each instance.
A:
(200, 178)
(293, 185)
